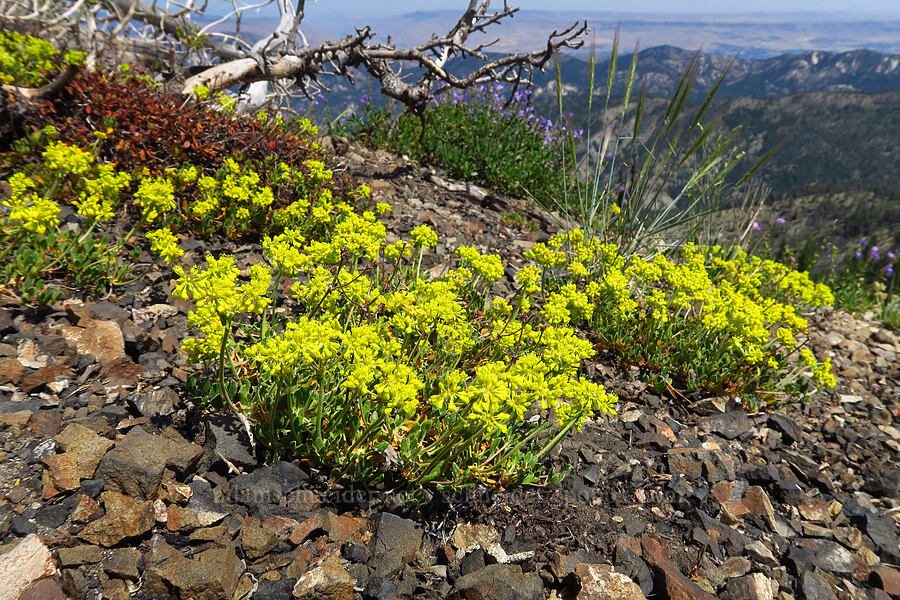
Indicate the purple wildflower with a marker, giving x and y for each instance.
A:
(889, 269)
(874, 252)
(891, 255)
(858, 254)
(780, 221)
(756, 226)
(365, 99)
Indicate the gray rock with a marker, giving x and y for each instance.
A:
(203, 504)
(135, 466)
(395, 544)
(84, 554)
(124, 563)
(52, 516)
(787, 426)
(155, 403)
(274, 590)
(831, 556)
(883, 532)
(730, 425)
(379, 589)
(815, 588)
(230, 441)
(211, 575)
(498, 582)
(628, 562)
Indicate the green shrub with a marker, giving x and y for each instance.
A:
(474, 135)
(28, 61)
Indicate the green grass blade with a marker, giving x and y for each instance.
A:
(613, 59)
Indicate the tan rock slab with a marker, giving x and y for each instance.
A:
(101, 339)
(115, 526)
(61, 474)
(600, 582)
(28, 561)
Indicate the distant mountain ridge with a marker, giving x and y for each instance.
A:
(814, 71)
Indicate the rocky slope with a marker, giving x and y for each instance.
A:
(114, 484)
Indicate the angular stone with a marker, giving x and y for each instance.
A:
(327, 581)
(51, 516)
(598, 582)
(85, 445)
(677, 586)
(155, 403)
(257, 540)
(630, 563)
(84, 554)
(123, 562)
(882, 530)
(211, 575)
(396, 543)
(203, 505)
(19, 417)
(759, 552)
(43, 376)
(28, 561)
(115, 589)
(101, 339)
(230, 440)
(498, 582)
(60, 475)
(11, 371)
(831, 556)
(787, 426)
(730, 425)
(757, 502)
(135, 466)
(47, 588)
(181, 519)
(85, 508)
(888, 579)
(469, 537)
(343, 528)
(122, 371)
(45, 423)
(152, 313)
(815, 588)
(128, 521)
(813, 509)
(752, 587)
(30, 355)
(711, 463)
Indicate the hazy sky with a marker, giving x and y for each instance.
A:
(376, 7)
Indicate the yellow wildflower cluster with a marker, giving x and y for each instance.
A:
(31, 212)
(219, 298)
(155, 195)
(67, 159)
(164, 243)
(411, 352)
(717, 321)
(100, 193)
(235, 191)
